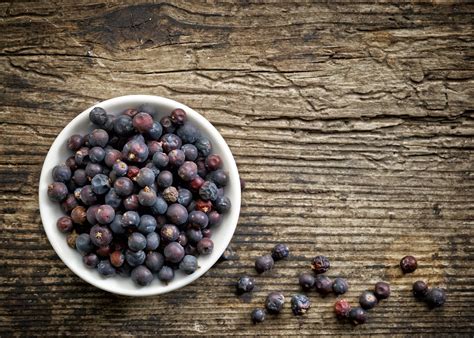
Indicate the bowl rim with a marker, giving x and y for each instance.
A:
(230, 226)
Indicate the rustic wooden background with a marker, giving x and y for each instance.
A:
(352, 124)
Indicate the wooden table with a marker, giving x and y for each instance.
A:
(351, 123)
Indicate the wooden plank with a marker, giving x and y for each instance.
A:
(352, 124)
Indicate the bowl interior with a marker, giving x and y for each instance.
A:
(51, 211)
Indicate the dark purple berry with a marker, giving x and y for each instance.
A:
(205, 246)
(408, 264)
(208, 191)
(264, 263)
(154, 261)
(184, 197)
(188, 133)
(160, 206)
(64, 224)
(203, 145)
(69, 203)
(320, 264)
(136, 241)
(382, 290)
(143, 122)
(222, 204)
(57, 191)
(435, 297)
(91, 260)
(274, 302)
(152, 241)
(198, 219)
(300, 304)
(189, 264)
(167, 124)
(79, 177)
(213, 162)
(323, 284)
(190, 152)
(123, 186)
(96, 154)
(61, 173)
(280, 251)
(155, 132)
(105, 214)
(342, 308)
(219, 177)
(84, 244)
(104, 251)
(258, 316)
(196, 183)
(88, 197)
(135, 151)
(176, 158)
(206, 233)
(100, 184)
(166, 274)
(120, 168)
(367, 300)
(340, 286)
(135, 258)
(147, 224)
(145, 177)
(100, 235)
(130, 219)
(177, 214)
(147, 197)
(161, 160)
(112, 156)
(142, 276)
(194, 236)
(81, 156)
(98, 116)
(173, 252)
(420, 289)
(131, 202)
(170, 142)
(357, 316)
(112, 198)
(71, 163)
(165, 179)
(306, 281)
(98, 138)
(106, 269)
(123, 125)
(245, 284)
(75, 142)
(93, 169)
(187, 171)
(178, 116)
(215, 218)
(169, 233)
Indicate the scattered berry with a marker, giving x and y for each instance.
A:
(274, 302)
(280, 251)
(258, 316)
(367, 300)
(300, 304)
(408, 264)
(264, 263)
(245, 284)
(342, 308)
(320, 264)
(420, 289)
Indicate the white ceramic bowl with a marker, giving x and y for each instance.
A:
(51, 211)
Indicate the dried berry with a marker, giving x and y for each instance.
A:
(420, 289)
(306, 281)
(357, 315)
(435, 297)
(258, 316)
(408, 264)
(280, 251)
(342, 308)
(382, 290)
(340, 286)
(300, 304)
(274, 302)
(323, 284)
(367, 300)
(264, 263)
(245, 284)
(320, 264)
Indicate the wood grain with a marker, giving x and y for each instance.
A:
(352, 124)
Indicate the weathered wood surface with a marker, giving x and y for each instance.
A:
(351, 123)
